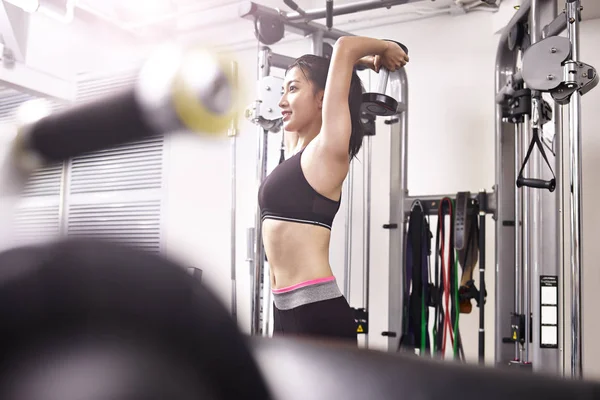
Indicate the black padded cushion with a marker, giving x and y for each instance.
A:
(300, 370)
(81, 288)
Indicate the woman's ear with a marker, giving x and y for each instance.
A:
(321, 96)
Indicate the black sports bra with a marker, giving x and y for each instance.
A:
(286, 195)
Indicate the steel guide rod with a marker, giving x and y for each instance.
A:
(343, 9)
(348, 233)
(233, 132)
(506, 74)
(573, 8)
(258, 259)
(518, 235)
(367, 227)
(397, 212)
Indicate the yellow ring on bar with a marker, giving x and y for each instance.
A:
(189, 107)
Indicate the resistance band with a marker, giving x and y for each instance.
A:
(446, 301)
(416, 282)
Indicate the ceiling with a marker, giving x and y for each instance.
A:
(152, 20)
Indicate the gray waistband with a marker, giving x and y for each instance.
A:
(306, 294)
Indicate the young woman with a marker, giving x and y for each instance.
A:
(300, 198)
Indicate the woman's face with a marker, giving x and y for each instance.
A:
(300, 106)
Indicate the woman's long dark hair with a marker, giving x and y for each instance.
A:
(315, 69)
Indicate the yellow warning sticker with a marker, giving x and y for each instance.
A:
(360, 329)
(514, 335)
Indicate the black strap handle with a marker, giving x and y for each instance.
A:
(536, 182)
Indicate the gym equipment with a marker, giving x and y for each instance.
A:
(95, 320)
(466, 243)
(417, 292)
(362, 313)
(378, 103)
(252, 11)
(530, 242)
(329, 13)
(445, 293)
(180, 102)
(265, 111)
(514, 202)
(348, 232)
(332, 10)
(289, 368)
(233, 133)
(268, 30)
(446, 327)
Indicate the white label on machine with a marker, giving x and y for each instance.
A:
(549, 336)
(549, 316)
(549, 295)
(549, 311)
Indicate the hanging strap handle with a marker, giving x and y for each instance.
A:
(535, 182)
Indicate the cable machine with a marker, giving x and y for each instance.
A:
(537, 73)
(270, 27)
(532, 61)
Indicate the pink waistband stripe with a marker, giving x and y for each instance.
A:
(304, 284)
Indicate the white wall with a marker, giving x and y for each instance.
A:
(196, 208)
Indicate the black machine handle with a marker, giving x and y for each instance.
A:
(294, 6)
(82, 128)
(291, 4)
(537, 183)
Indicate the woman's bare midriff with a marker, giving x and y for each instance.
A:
(296, 252)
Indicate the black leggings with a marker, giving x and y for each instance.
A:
(326, 319)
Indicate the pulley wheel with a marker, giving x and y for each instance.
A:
(268, 30)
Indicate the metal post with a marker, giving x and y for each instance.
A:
(505, 69)
(348, 233)
(545, 238)
(534, 247)
(317, 43)
(518, 235)
(559, 227)
(259, 256)
(233, 132)
(398, 193)
(576, 198)
(482, 200)
(343, 9)
(367, 227)
(526, 248)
